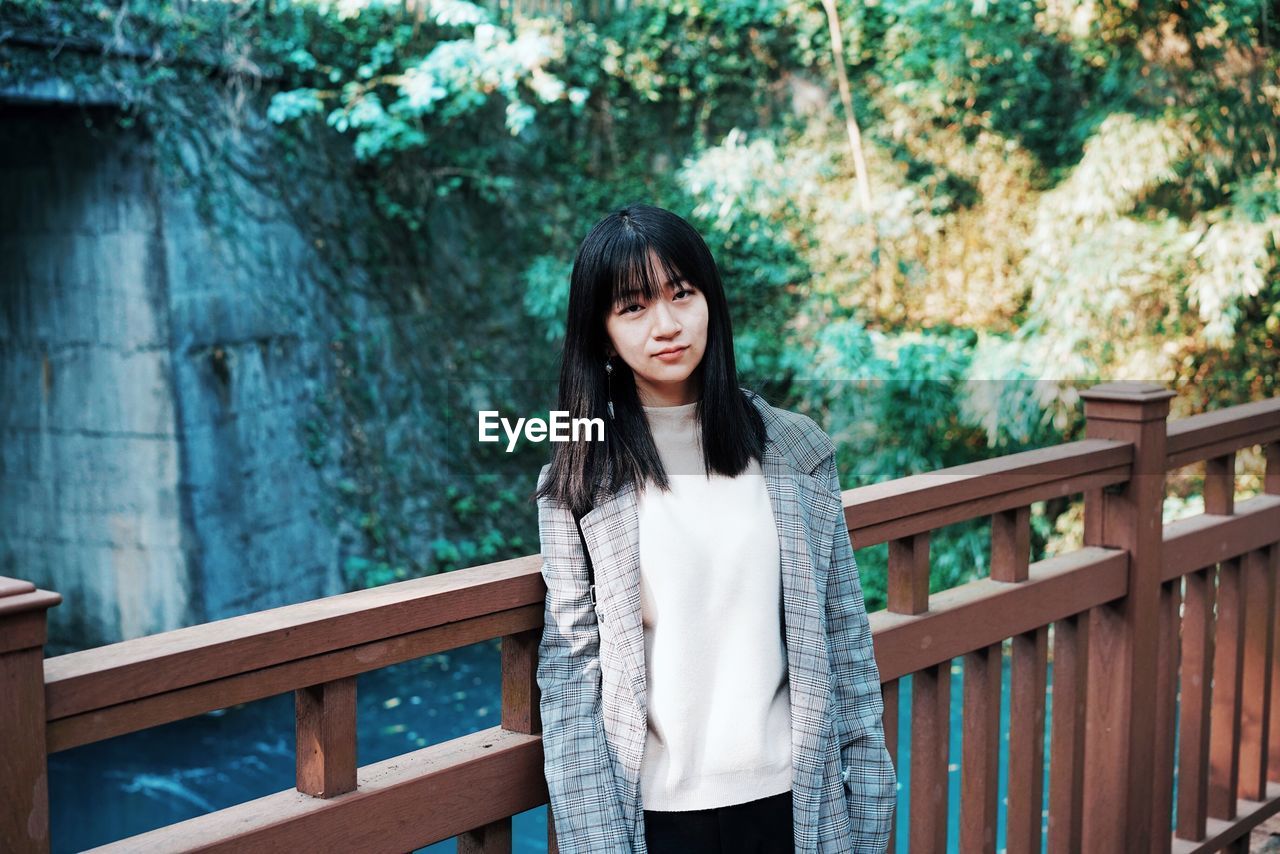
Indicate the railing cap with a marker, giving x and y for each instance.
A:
(1127, 400)
(1135, 390)
(18, 597)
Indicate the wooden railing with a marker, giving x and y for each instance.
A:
(1124, 647)
(1133, 651)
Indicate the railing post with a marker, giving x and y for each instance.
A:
(24, 776)
(930, 701)
(1123, 635)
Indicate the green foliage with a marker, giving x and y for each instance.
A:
(988, 65)
(546, 297)
(895, 406)
(479, 509)
(455, 79)
(1059, 193)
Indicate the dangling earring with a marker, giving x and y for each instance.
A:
(608, 369)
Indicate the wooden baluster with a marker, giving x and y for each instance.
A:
(980, 749)
(1123, 635)
(1026, 740)
(930, 743)
(1195, 639)
(1273, 754)
(1010, 562)
(326, 737)
(1224, 742)
(520, 696)
(1011, 544)
(1220, 485)
(1066, 769)
(983, 669)
(489, 839)
(889, 692)
(1271, 486)
(909, 574)
(24, 785)
(930, 700)
(1165, 717)
(1196, 701)
(1259, 588)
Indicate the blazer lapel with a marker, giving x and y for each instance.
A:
(612, 532)
(799, 510)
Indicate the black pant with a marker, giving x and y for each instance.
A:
(754, 827)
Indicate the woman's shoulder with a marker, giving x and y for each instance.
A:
(796, 434)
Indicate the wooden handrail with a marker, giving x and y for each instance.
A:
(975, 615)
(895, 509)
(136, 669)
(1195, 542)
(401, 803)
(1212, 434)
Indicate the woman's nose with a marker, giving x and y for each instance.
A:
(665, 322)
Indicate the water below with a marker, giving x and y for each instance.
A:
(127, 785)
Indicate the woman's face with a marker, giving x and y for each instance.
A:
(641, 330)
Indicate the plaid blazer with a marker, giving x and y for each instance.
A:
(591, 671)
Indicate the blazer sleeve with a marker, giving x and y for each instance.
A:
(585, 804)
(870, 778)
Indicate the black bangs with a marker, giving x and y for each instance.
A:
(629, 272)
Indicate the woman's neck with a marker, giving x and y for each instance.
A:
(675, 395)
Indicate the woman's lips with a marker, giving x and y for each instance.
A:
(671, 356)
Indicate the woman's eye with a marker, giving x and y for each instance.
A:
(627, 309)
(683, 291)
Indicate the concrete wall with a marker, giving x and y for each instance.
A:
(154, 371)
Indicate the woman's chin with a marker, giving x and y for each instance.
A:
(674, 376)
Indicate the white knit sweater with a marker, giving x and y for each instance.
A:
(715, 661)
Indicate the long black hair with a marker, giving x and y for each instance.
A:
(611, 264)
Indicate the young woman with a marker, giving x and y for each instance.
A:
(715, 689)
